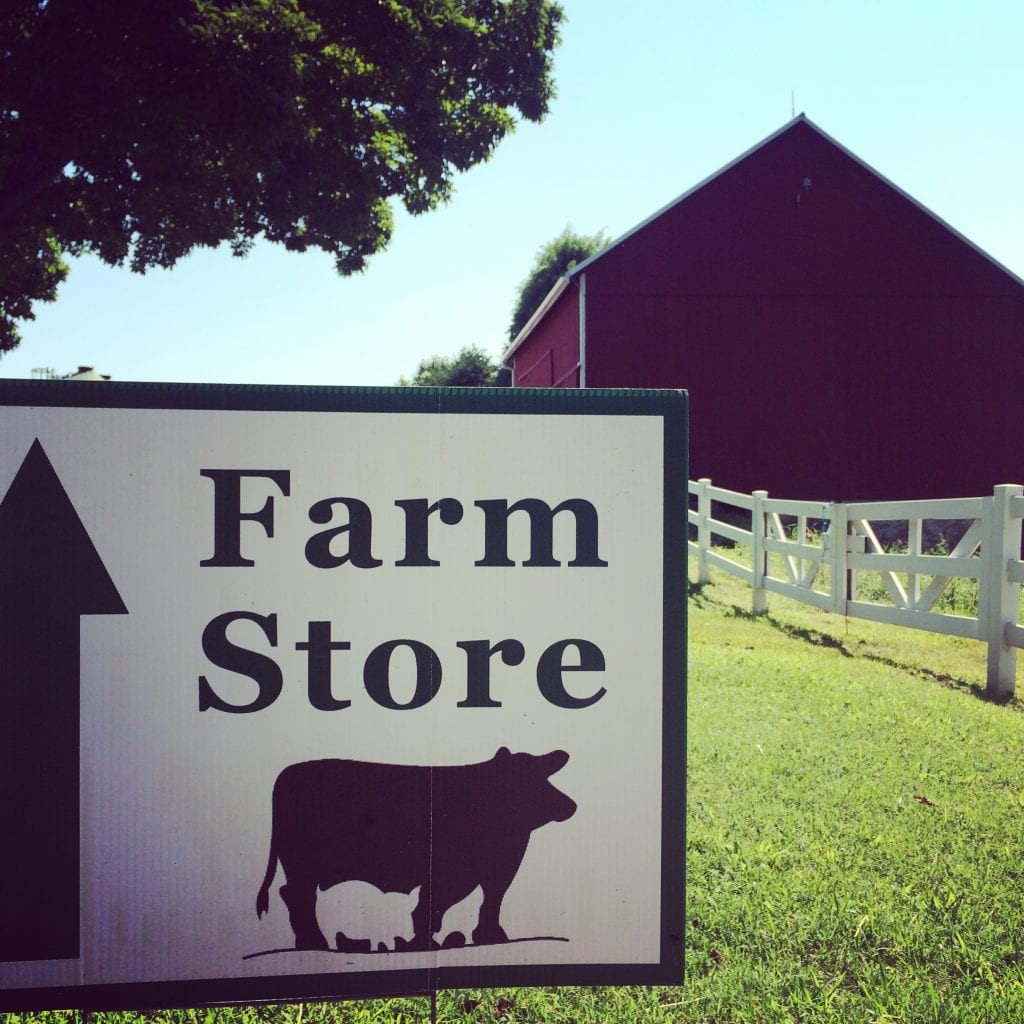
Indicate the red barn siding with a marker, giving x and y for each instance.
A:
(837, 340)
(550, 355)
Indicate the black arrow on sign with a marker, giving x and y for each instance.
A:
(50, 574)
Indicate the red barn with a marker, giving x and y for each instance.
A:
(837, 339)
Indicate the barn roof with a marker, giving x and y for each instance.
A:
(800, 119)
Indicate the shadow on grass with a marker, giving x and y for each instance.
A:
(952, 682)
(810, 636)
(827, 640)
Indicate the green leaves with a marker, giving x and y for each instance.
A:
(471, 367)
(138, 131)
(35, 271)
(553, 260)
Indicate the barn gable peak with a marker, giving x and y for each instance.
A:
(800, 122)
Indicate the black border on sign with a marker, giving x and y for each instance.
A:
(671, 406)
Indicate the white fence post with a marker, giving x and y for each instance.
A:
(837, 532)
(999, 597)
(703, 529)
(759, 597)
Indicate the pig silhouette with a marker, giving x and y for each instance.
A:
(446, 829)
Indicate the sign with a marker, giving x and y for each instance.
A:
(316, 693)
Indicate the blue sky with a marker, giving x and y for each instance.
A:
(653, 97)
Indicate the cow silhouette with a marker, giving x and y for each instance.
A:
(446, 829)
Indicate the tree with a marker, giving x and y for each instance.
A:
(139, 130)
(552, 261)
(471, 367)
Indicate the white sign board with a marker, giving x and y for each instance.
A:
(329, 692)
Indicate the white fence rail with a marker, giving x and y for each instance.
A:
(820, 553)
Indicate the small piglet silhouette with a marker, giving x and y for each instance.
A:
(446, 829)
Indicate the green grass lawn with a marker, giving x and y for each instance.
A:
(855, 838)
(855, 816)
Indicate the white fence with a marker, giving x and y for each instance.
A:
(819, 553)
